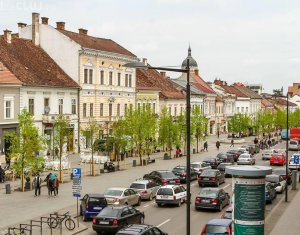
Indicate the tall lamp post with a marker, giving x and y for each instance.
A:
(188, 128)
(287, 143)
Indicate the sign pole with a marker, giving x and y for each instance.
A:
(77, 214)
(76, 187)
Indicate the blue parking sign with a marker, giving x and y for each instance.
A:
(77, 172)
(296, 159)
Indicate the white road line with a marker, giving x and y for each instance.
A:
(146, 205)
(168, 220)
(226, 186)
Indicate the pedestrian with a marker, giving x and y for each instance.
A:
(218, 144)
(232, 143)
(205, 146)
(49, 183)
(269, 143)
(218, 134)
(56, 151)
(55, 185)
(37, 181)
(177, 152)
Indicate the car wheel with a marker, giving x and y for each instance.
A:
(158, 204)
(200, 185)
(80, 210)
(179, 203)
(151, 197)
(220, 207)
(84, 218)
(139, 202)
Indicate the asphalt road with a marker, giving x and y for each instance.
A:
(172, 219)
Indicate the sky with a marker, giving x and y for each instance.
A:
(253, 41)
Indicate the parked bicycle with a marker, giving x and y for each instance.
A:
(53, 222)
(16, 231)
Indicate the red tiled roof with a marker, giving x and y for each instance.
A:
(233, 90)
(201, 87)
(247, 91)
(100, 44)
(206, 88)
(152, 78)
(31, 65)
(290, 90)
(7, 77)
(265, 103)
(282, 102)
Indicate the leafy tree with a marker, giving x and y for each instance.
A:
(198, 123)
(25, 144)
(181, 126)
(239, 123)
(61, 130)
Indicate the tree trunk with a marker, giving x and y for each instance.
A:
(60, 170)
(93, 172)
(197, 144)
(22, 180)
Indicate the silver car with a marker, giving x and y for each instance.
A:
(146, 188)
(122, 196)
(200, 166)
(246, 159)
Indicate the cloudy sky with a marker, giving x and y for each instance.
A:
(254, 41)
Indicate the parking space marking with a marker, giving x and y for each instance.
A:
(226, 186)
(161, 224)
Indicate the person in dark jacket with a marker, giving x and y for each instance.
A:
(205, 146)
(218, 144)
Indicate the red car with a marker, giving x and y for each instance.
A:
(277, 159)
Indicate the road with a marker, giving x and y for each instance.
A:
(172, 219)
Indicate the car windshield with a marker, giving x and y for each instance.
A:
(194, 165)
(216, 229)
(109, 212)
(178, 169)
(113, 192)
(227, 215)
(272, 178)
(208, 173)
(97, 201)
(137, 186)
(167, 174)
(245, 156)
(209, 160)
(293, 142)
(165, 191)
(208, 193)
(268, 151)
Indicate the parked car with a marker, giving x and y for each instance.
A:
(277, 159)
(255, 147)
(246, 159)
(282, 172)
(211, 177)
(181, 173)
(91, 204)
(217, 226)
(270, 192)
(243, 149)
(222, 167)
(163, 177)
(213, 162)
(170, 194)
(294, 145)
(292, 164)
(277, 181)
(234, 153)
(140, 229)
(112, 219)
(146, 188)
(228, 213)
(200, 166)
(223, 157)
(212, 198)
(122, 196)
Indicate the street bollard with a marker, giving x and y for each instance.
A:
(299, 177)
(294, 180)
(134, 163)
(7, 189)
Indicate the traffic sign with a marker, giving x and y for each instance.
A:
(76, 187)
(76, 172)
(296, 159)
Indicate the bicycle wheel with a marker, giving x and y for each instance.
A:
(52, 222)
(70, 224)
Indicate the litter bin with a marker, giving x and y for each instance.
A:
(134, 163)
(194, 150)
(144, 162)
(7, 189)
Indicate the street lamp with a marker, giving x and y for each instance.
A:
(287, 144)
(188, 128)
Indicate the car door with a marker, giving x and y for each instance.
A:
(134, 215)
(282, 182)
(183, 192)
(134, 198)
(222, 197)
(84, 202)
(126, 197)
(125, 217)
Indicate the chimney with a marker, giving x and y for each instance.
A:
(145, 62)
(82, 31)
(7, 35)
(197, 72)
(35, 29)
(45, 20)
(60, 25)
(21, 25)
(163, 74)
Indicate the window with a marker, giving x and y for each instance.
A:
(170, 110)
(90, 76)
(110, 110)
(130, 80)
(126, 80)
(119, 79)
(175, 111)
(242, 109)
(31, 106)
(110, 78)
(91, 110)
(73, 106)
(101, 110)
(46, 104)
(60, 106)
(8, 109)
(246, 109)
(181, 110)
(118, 110)
(84, 110)
(139, 106)
(238, 109)
(125, 108)
(153, 107)
(86, 75)
(101, 77)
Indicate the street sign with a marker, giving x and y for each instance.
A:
(296, 159)
(76, 187)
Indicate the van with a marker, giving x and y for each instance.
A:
(294, 145)
(171, 194)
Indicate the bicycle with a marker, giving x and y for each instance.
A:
(18, 232)
(54, 221)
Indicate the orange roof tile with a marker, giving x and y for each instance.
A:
(7, 77)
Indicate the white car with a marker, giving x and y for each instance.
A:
(170, 194)
(294, 145)
(200, 166)
(292, 164)
(266, 154)
(246, 159)
(277, 181)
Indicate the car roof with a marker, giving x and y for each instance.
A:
(95, 195)
(223, 222)
(170, 186)
(135, 228)
(141, 181)
(210, 189)
(196, 162)
(116, 188)
(163, 171)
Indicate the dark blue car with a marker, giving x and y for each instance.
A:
(91, 205)
(270, 192)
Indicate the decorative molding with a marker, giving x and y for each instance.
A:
(47, 93)
(31, 92)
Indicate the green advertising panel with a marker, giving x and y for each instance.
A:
(241, 229)
(249, 204)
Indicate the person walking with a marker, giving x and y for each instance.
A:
(55, 185)
(49, 184)
(37, 181)
(218, 144)
(232, 143)
(205, 146)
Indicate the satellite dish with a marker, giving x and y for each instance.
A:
(47, 109)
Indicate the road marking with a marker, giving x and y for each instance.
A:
(226, 186)
(146, 205)
(168, 220)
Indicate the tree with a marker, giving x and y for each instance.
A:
(61, 131)
(91, 130)
(239, 123)
(25, 144)
(198, 123)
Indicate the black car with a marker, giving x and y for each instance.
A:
(223, 157)
(181, 172)
(270, 192)
(140, 229)
(212, 198)
(233, 153)
(211, 177)
(162, 177)
(222, 167)
(213, 162)
(112, 219)
(91, 205)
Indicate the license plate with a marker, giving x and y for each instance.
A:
(97, 208)
(164, 196)
(104, 222)
(172, 181)
(206, 178)
(205, 201)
